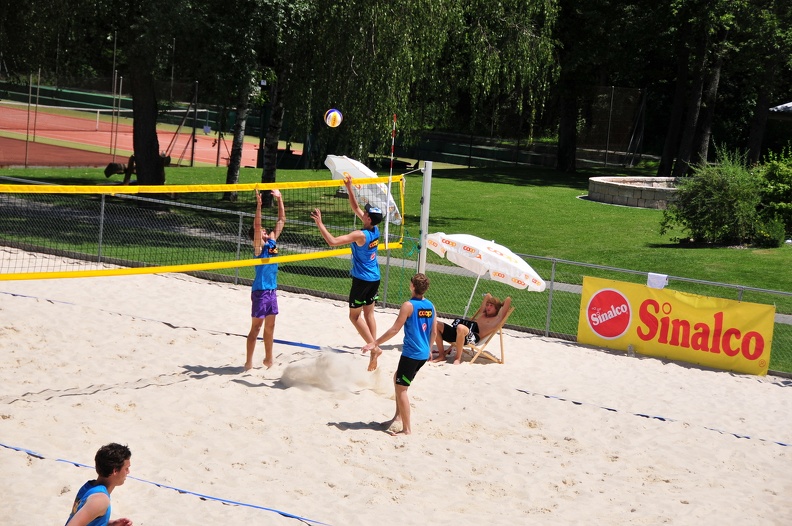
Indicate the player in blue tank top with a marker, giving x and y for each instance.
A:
(418, 317)
(92, 503)
(365, 266)
(263, 297)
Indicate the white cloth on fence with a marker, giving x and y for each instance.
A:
(656, 281)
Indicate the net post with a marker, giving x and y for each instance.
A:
(423, 231)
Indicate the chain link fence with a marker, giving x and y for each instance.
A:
(95, 232)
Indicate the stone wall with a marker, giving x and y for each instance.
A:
(643, 192)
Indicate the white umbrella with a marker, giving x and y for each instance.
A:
(374, 194)
(481, 257)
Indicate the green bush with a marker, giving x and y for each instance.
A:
(769, 234)
(717, 203)
(776, 191)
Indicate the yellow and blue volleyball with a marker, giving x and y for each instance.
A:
(333, 117)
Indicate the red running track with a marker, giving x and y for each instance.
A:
(209, 150)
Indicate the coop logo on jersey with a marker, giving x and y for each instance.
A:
(374, 243)
(424, 313)
(608, 314)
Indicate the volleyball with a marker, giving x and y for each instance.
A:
(333, 117)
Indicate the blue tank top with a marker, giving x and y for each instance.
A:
(267, 275)
(89, 488)
(364, 259)
(418, 330)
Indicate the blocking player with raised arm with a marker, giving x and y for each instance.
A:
(365, 266)
(263, 297)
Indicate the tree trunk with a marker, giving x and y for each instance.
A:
(273, 133)
(234, 162)
(692, 111)
(671, 144)
(759, 119)
(704, 129)
(150, 170)
(566, 160)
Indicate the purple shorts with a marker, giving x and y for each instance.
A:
(265, 303)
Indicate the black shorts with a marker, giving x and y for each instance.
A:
(363, 293)
(407, 369)
(449, 331)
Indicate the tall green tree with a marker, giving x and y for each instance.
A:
(504, 56)
(766, 61)
(285, 41)
(422, 60)
(146, 29)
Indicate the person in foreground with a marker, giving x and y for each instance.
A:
(263, 298)
(417, 316)
(365, 267)
(92, 503)
(462, 331)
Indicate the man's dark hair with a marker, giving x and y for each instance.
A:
(252, 231)
(420, 283)
(110, 458)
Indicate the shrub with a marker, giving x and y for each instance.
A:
(776, 190)
(717, 203)
(769, 234)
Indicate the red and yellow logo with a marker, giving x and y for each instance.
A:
(608, 314)
(713, 332)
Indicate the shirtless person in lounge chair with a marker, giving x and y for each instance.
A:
(462, 331)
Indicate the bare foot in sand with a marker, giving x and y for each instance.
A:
(397, 433)
(439, 358)
(375, 353)
(388, 424)
(248, 366)
(267, 363)
(393, 426)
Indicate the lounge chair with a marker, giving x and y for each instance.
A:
(478, 349)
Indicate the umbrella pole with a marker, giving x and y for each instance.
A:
(471, 295)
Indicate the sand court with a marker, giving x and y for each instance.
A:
(559, 434)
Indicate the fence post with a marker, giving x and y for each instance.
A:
(101, 226)
(238, 249)
(610, 117)
(550, 300)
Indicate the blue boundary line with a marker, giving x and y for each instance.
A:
(182, 491)
(165, 486)
(654, 417)
(172, 326)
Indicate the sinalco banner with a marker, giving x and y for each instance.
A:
(713, 332)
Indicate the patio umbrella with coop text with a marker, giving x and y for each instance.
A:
(481, 257)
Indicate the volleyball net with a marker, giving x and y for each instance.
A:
(50, 231)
